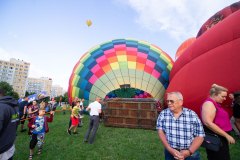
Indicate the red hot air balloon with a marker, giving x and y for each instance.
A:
(212, 58)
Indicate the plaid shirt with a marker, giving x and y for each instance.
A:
(180, 132)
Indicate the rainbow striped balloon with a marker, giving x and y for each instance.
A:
(107, 66)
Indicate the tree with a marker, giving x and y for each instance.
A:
(63, 98)
(9, 90)
(29, 93)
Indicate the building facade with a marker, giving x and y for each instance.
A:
(37, 85)
(15, 72)
(56, 91)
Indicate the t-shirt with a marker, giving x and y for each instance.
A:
(33, 108)
(236, 110)
(75, 111)
(94, 106)
(21, 107)
(81, 103)
(39, 125)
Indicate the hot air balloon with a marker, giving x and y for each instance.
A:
(120, 62)
(219, 16)
(212, 58)
(184, 46)
(89, 23)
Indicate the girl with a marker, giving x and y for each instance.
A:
(74, 118)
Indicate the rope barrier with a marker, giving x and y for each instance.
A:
(46, 113)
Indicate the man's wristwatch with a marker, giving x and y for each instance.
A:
(190, 152)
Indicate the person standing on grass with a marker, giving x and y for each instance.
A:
(8, 125)
(95, 109)
(217, 121)
(179, 129)
(39, 126)
(81, 113)
(74, 119)
(236, 111)
(23, 112)
(33, 110)
(73, 104)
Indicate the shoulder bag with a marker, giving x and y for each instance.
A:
(211, 142)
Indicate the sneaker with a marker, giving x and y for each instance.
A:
(30, 157)
(23, 130)
(69, 132)
(39, 151)
(75, 132)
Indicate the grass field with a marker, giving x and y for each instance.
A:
(110, 144)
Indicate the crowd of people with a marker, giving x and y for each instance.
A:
(180, 129)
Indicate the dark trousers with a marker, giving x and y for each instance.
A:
(222, 154)
(93, 126)
(33, 141)
(70, 123)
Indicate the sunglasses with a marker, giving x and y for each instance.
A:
(170, 101)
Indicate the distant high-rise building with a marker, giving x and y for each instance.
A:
(15, 72)
(38, 85)
(56, 91)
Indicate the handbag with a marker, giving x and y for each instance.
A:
(211, 142)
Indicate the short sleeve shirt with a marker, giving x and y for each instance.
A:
(180, 132)
(94, 106)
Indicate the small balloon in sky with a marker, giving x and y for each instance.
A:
(89, 23)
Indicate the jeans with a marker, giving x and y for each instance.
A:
(194, 156)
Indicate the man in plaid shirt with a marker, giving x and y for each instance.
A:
(180, 130)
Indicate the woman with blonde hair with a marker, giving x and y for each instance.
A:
(217, 121)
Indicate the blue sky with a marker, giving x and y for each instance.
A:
(52, 34)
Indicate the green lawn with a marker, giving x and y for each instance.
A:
(110, 143)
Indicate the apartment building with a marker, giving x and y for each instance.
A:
(56, 91)
(38, 85)
(15, 72)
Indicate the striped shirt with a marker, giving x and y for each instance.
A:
(180, 132)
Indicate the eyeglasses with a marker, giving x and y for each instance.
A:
(170, 101)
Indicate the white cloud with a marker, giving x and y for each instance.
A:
(181, 19)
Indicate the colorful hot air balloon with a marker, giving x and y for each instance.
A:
(106, 67)
(212, 58)
(219, 16)
(184, 46)
(89, 23)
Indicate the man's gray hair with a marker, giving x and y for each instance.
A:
(177, 94)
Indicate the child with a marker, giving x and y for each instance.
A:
(74, 119)
(39, 125)
(81, 112)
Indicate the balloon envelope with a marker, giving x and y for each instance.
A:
(89, 23)
(212, 58)
(219, 16)
(120, 62)
(184, 46)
